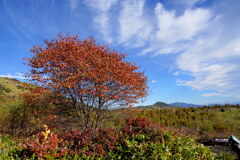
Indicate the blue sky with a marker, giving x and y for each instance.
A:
(189, 49)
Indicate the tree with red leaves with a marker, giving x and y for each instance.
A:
(92, 77)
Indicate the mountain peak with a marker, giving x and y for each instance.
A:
(160, 104)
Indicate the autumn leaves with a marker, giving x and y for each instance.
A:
(86, 73)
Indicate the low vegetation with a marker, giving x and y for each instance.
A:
(137, 139)
(211, 121)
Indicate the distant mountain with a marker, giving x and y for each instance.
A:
(185, 105)
(157, 105)
(161, 104)
(213, 104)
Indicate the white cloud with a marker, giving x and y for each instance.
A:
(211, 94)
(102, 5)
(215, 68)
(176, 73)
(174, 33)
(213, 59)
(19, 76)
(210, 77)
(135, 27)
(161, 31)
(103, 17)
(153, 81)
(205, 39)
(213, 65)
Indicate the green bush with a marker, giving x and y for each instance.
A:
(9, 148)
(168, 147)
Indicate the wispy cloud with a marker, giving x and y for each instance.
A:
(205, 42)
(176, 73)
(158, 32)
(153, 81)
(213, 59)
(18, 76)
(134, 23)
(20, 23)
(102, 16)
(211, 94)
(176, 33)
(212, 68)
(172, 28)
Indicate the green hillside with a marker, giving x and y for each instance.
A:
(9, 98)
(157, 105)
(10, 87)
(9, 92)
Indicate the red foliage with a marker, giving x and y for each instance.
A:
(86, 72)
(107, 137)
(78, 139)
(136, 126)
(45, 145)
(89, 68)
(91, 142)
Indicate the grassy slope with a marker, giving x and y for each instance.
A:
(9, 96)
(12, 87)
(9, 91)
(201, 122)
(210, 122)
(157, 105)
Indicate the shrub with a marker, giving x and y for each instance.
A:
(45, 145)
(91, 142)
(168, 147)
(143, 140)
(136, 126)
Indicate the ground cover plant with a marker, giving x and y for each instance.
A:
(137, 139)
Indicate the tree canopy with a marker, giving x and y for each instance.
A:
(91, 77)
